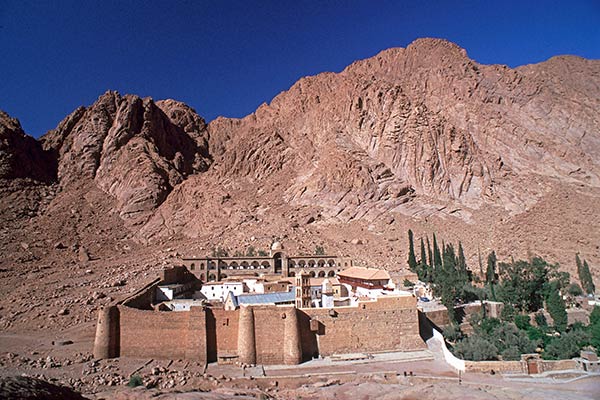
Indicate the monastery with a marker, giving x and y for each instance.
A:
(274, 309)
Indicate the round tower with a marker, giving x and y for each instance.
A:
(246, 338)
(292, 347)
(106, 342)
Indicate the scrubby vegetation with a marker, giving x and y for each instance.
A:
(527, 289)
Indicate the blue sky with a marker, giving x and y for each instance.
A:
(228, 57)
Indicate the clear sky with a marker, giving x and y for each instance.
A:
(227, 57)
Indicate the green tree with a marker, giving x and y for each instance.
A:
(588, 282)
(490, 274)
(319, 251)
(412, 259)
(250, 251)
(556, 307)
(522, 322)
(568, 345)
(461, 265)
(540, 319)
(423, 269)
(508, 313)
(574, 290)
(595, 316)
(524, 284)
(430, 265)
(437, 258)
(476, 348)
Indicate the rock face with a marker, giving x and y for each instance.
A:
(415, 131)
(133, 149)
(27, 388)
(21, 156)
(411, 133)
(424, 120)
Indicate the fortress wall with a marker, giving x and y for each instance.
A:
(269, 334)
(172, 335)
(177, 274)
(143, 298)
(223, 331)
(372, 327)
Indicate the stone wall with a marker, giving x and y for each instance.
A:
(145, 333)
(264, 334)
(390, 324)
(496, 366)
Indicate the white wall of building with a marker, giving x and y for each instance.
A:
(219, 291)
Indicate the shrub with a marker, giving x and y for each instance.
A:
(566, 346)
(522, 322)
(476, 348)
(134, 381)
(540, 319)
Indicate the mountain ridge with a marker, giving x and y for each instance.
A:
(410, 135)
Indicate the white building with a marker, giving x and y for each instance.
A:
(170, 292)
(219, 290)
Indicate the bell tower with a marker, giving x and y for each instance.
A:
(302, 279)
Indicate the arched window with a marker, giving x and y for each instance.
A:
(202, 277)
(192, 267)
(331, 274)
(312, 274)
(212, 277)
(321, 274)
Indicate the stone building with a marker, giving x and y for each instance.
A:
(141, 327)
(278, 262)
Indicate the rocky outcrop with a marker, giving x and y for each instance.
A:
(420, 131)
(134, 149)
(21, 156)
(415, 131)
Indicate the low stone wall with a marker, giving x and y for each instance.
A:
(496, 366)
(558, 365)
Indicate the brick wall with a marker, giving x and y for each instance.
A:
(222, 334)
(269, 331)
(558, 365)
(386, 325)
(171, 335)
(496, 366)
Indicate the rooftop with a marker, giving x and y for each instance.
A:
(266, 298)
(365, 273)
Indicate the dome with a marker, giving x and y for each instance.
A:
(276, 246)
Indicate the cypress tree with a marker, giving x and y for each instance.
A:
(423, 262)
(412, 260)
(556, 307)
(437, 256)
(490, 273)
(579, 268)
(430, 265)
(461, 264)
(588, 281)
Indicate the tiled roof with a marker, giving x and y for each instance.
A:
(266, 298)
(365, 273)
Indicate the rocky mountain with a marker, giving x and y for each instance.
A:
(420, 137)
